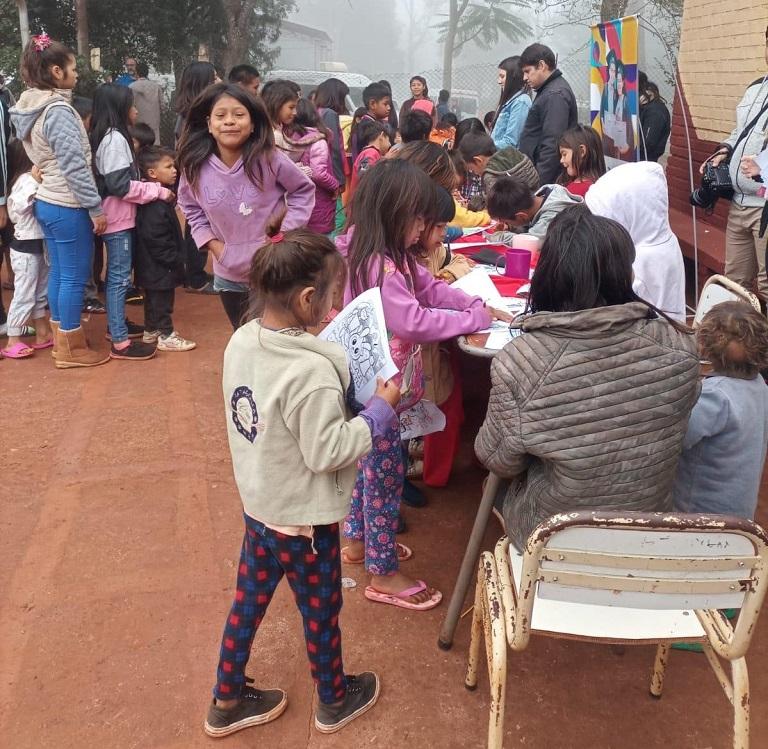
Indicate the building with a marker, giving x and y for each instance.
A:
(722, 50)
(303, 47)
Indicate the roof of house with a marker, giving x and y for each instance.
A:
(299, 28)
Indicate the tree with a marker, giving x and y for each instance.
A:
(81, 14)
(482, 23)
(23, 21)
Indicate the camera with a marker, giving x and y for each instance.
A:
(715, 183)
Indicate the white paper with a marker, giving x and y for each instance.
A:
(762, 161)
(424, 418)
(500, 337)
(473, 230)
(360, 329)
(478, 283)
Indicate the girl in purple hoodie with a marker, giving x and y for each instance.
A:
(394, 201)
(233, 180)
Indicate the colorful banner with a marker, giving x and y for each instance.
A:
(613, 86)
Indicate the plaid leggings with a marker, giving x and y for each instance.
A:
(314, 575)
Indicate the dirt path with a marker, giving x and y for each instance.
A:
(121, 526)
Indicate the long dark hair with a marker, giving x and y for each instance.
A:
(513, 83)
(275, 95)
(591, 163)
(390, 197)
(332, 94)
(197, 144)
(18, 161)
(586, 262)
(465, 127)
(423, 81)
(194, 78)
(308, 116)
(111, 105)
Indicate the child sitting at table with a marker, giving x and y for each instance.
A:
(725, 446)
(513, 202)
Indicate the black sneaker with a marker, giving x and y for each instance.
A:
(362, 693)
(413, 496)
(134, 330)
(94, 307)
(134, 296)
(136, 351)
(255, 708)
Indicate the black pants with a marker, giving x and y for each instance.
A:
(158, 309)
(235, 304)
(194, 262)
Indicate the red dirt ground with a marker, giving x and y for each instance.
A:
(121, 528)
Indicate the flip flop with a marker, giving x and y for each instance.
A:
(399, 599)
(403, 555)
(41, 346)
(17, 351)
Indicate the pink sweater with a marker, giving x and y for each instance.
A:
(318, 158)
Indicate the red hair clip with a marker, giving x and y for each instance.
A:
(279, 237)
(42, 42)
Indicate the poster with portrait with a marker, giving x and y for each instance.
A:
(614, 101)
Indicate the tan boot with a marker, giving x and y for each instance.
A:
(55, 331)
(73, 351)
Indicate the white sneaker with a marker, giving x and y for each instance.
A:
(150, 336)
(174, 342)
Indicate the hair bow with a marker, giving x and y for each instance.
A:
(279, 237)
(41, 42)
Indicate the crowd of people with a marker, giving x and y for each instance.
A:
(302, 206)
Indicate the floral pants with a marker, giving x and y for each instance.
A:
(376, 497)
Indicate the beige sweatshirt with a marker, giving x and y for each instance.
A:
(293, 442)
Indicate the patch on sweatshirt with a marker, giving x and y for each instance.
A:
(244, 414)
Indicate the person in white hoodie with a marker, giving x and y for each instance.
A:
(636, 196)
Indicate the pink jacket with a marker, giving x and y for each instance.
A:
(121, 212)
(318, 158)
(418, 309)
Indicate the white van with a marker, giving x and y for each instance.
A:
(311, 79)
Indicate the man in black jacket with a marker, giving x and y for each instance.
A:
(655, 120)
(553, 111)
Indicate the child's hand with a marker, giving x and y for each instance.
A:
(749, 166)
(215, 247)
(37, 175)
(500, 314)
(170, 196)
(388, 391)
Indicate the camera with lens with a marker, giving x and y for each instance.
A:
(715, 184)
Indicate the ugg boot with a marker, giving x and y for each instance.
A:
(55, 330)
(73, 351)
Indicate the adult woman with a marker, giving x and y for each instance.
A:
(655, 121)
(419, 99)
(194, 79)
(589, 405)
(514, 103)
(68, 206)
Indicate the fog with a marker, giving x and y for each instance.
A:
(397, 39)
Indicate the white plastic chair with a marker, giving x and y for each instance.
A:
(629, 578)
(719, 289)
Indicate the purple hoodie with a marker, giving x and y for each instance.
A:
(418, 310)
(227, 206)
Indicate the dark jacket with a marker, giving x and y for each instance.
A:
(655, 126)
(159, 247)
(553, 112)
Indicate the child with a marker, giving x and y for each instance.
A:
(159, 253)
(142, 136)
(117, 177)
(415, 126)
(725, 445)
(281, 99)
(28, 259)
(318, 159)
(68, 207)
(377, 99)
(513, 202)
(445, 132)
(247, 77)
(232, 180)
(373, 137)
(389, 214)
(581, 156)
(294, 447)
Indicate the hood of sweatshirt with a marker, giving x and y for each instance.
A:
(636, 196)
(588, 323)
(31, 105)
(343, 241)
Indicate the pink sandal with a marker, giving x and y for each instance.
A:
(17, 351)
(403, 555)
(400, 599)
(42, 345)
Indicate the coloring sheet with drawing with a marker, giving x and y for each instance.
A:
(424, 418)
(361, 331)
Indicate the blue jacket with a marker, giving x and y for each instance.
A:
(511, 120)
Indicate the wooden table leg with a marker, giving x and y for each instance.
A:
(469, 563)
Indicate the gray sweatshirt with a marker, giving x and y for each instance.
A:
(556, 199)
(724, 448)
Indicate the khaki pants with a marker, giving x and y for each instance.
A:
(744, 250)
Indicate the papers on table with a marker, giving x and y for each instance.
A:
(361, 331)
(478, 283)
(500, 336)
(424, 418)
(474, 230)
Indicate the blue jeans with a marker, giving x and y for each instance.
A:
(69, 236)
(119, 260)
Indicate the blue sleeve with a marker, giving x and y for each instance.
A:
(511, 122)
(708, 417)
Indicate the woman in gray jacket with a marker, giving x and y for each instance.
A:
(590, 403)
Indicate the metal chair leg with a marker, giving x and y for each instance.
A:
(740, 679)
(476, 636)
(659, 668)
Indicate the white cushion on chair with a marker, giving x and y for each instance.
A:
(608, 622)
